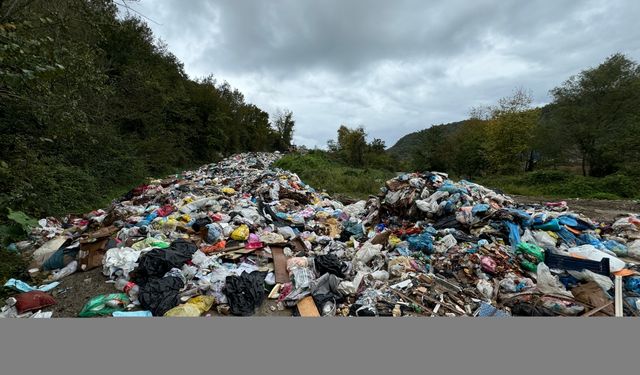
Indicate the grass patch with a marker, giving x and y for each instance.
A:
(12, 265)
(560, 184)
(321, 172)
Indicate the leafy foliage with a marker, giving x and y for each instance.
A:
(352, 148)
(591, 127)
(91, 102)
(323, 171)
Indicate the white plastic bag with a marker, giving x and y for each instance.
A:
(116, 258)
(544, 240)
(633, 250)
(367, 252)
(605, 283)
(590, 252)
(66, 271)
(485, 288)
(549, 284)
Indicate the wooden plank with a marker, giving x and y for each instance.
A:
(598, 309)
(280, 265)
(298, 245)
(307, 307)
(403, 296)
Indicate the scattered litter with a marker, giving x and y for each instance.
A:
(223, 238)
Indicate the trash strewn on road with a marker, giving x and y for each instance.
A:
(229, 237)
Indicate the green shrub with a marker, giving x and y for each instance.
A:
(322, 172)
(544, 177)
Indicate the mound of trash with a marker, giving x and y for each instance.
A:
(226, 237)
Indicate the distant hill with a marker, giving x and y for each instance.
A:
(405, 146)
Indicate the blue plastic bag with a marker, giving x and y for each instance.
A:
(566, 236)
(21, 286)
(421, 242)
(480, 208)
(132, 314)
(514, 233)
(633, 284)
(552, 225)
(617, 248)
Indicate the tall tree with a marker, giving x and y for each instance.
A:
(600, 112)
(284, 124)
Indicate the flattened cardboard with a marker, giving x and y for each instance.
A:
(307, 307)
(280, 265)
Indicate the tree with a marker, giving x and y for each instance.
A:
(284, 124)
(600, 110)
(91, 101)
(352, 145)
(510, 133)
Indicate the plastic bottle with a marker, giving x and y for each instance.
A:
(128, 287)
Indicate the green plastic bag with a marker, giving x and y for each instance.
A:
(531, 251)
(104, 304)
(530, 255)
(529, 266)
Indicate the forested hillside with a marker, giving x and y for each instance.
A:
(590, 129)
(91, 103)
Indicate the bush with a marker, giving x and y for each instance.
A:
(560, 184)
(544, 177)
(322, 172)
(621, 185)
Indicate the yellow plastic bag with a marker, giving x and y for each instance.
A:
(204, 303)
(394, 240)
(195, 307)
(228, 190)
(241, 233)
(183, 311)
(184, 218)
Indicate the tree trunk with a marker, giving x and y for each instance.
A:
(530, 162)
(584, 165)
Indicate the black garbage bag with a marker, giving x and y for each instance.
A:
(157, 262)
(529, 309)
(447, 222)
(329, 263)
(201, 223)
(325, 289)
(160, 295)
(359, 310)
(245, 292)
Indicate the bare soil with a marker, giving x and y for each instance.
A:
(75, 291)
(599, 210)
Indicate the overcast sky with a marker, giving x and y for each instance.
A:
(392, 66)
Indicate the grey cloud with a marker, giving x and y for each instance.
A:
(392, 66)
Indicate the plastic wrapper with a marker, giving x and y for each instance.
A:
(104, 304)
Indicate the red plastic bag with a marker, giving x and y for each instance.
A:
(165, 210)
(33, 301)
(220, 245)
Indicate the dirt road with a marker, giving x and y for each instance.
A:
(599, 210)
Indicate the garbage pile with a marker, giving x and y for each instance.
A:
(227, 237)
